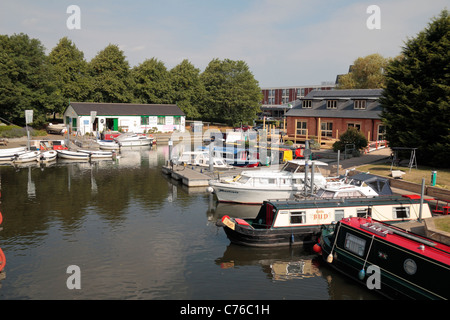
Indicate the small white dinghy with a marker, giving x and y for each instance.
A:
(28, 156)
(73, 155)
(108, 145)
(48, 156)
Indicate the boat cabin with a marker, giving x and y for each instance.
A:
(316, 212)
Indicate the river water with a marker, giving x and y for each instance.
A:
(133, 233)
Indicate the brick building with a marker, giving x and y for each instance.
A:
(276, 100)
(329, 113)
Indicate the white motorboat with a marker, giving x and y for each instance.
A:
(73, 155)
(48, 156)
(200, 158)
(27, 156)
(256, 186)
(58, 128)
(133, 139)
(108, 145)
(98, 154)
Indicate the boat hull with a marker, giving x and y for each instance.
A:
(404, 274)
(71, 155)
(48, 156)
(27, 157)
(234, 194)
(265, 238)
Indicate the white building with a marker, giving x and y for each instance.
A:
(86, 117)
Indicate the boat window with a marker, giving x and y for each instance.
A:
(361, 212)
(355, 244)
(325, 193)
(243, 179)
(290, 167)
(298, 217)
(338, 214)
(401, 212)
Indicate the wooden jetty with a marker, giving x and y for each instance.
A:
(195, 176)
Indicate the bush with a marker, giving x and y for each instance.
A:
(351, 136)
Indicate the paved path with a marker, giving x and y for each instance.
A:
(374, 156)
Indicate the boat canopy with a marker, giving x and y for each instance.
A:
(379, 184)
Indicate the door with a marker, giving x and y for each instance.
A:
(116, 124)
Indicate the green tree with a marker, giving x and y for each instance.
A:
(365, 73)
(69, 75)
(188, 91)
(111, 79)
(233, 94)
(24, 79)
(151, 82)
(417, 94)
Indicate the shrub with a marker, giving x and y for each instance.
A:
(351, 136)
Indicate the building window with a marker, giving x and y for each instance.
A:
(176, 120)
(144, 121)
(326, 129)
(161, 120)
(331, 104)
(360, 104)
(307, 104)
(301, 127)
(354, 125)
(298, 217)
(381, 132)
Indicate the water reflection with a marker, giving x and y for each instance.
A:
(136, 234)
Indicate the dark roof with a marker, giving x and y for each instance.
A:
(126, 109)
(345, 105)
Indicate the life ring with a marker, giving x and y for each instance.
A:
(2, 260)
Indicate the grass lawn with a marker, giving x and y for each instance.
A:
(415, 176)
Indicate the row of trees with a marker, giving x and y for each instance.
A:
(225, 91)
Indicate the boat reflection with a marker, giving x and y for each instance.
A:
(279, 264)
(216, 210)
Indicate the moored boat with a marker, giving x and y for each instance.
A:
(201, 159)
(108, 145)
(283, 222)
(255, 186)
(98, 154)
(47, 156)
(73, 155)
(133, 139)
(388, 260)
(27, 156)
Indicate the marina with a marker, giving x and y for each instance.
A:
(92, 214)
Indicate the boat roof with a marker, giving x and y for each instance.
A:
(342, 202)
(302, 162)
(413, 242)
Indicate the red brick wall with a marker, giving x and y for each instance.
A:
(367, 126)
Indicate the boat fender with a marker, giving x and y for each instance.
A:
(317, 248)
(1, 218)
(361, 274)
(2, 260)
(292, 238)
(210, 190)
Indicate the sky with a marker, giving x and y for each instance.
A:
(284, 42)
